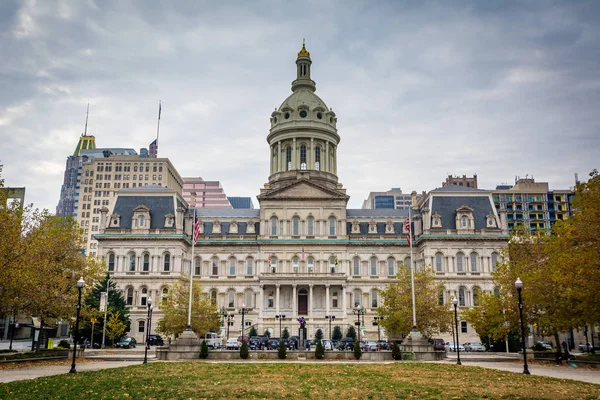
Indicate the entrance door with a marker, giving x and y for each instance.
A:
(302, 302)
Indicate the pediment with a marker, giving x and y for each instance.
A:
(304, 189)
(141, 208)
(464, 208)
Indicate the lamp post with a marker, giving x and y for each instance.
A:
(330, 318)
(80, 285)
(243, 311)
(358, 311)
(280, 317)
(230, 318)
(149, 321)
(519, 286)
(376, 322)
(105, 312)
(455, 303)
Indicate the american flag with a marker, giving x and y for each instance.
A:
(407, 226)
(196, 230)
(303, 253)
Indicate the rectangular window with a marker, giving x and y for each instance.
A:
(463, 326)
(232, 267)
(249, 267)
(215, 268)
(373, 267)
(391, 268)
(356, 267)
(141, 326)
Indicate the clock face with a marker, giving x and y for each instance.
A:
(303, 114)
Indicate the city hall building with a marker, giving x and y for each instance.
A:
(302, 252)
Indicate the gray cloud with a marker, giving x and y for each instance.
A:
(421, 90)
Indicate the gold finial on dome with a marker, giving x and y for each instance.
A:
(303, 52)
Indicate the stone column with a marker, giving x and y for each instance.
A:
(326, 161)
(326, 299)
(310, 300)
(261, 296)
(344, 301)
(294, 155)
(310, 155)
(294, 301)
(277, 288)
(279, 158)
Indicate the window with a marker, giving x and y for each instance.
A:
(332, 264)
(111, 262)
(464, 221)
(288, 157)
(213, 297)
(132, 262)
(441, 296)
(303, 157)
(494, 261)
(295, 264)
(373, 266)
(274, 226)
(141, 221)
(232, 262)
(334, 299)
(459, 262)
(476, 292)
(215, 267)
(167, 263)
(197, 266)
(331, 226)
(295, 226)
(141, 326)
(248, 298)
(311, 264)
(317, 158)
(408, 263)
(356, 297)
(310, 224)
(374, 303)
(144, 297)
(129, 299)
(461, 297)
(463, 326)
(474, 262)
(438, 262)
(356, 266)
(391, 267)
(270, 300)
(273, 263)
(231, 299)
(146, 266)
(249, 266)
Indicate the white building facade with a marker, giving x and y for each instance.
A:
(302, 252)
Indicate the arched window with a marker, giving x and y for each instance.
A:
(373, 266)
(231, 299)
(311, 264)
(494, 261)
(273, 263)
(474, 262)
(303, 156)
(232, 262)
(295, 264)
(438, 262)
(167, 263)
(274, 223)
(332, 264)
(132, 262)
(441, 296)
(249, 266)
(464, 221)
(197, 266)
(248, 297)
(288, 158)
(144, 297)
(295, 226)
(332, 226)
(165, 296)
(310, 225)
(215, 267)
(461, 297)
(356, 266)
(111, 262)
(374, 300)
(357, 298)
(129, 298)
(213, 297)
(391, 266)
(476, 292)
(408, 263)
(318, 158)
(459, 262)
(141, 221)
(146, 265)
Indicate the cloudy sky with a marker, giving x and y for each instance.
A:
(421, 89)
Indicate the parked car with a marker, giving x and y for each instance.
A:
(370, 345)
(544, 345)
(474, 346)
(439, 344)
(213, 340)
(327, 345)
(233, 344)
(256, 342)
(383, 345)
(126, 342)
(451, 346)
(155, 340)
(273, 344)
(585, 347)
(347, 344)
(292, 343)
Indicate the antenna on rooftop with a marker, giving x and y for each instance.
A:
(87, 113)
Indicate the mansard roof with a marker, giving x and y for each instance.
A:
(159, 207)
(227, 212)
(377, 213)
(446, 207)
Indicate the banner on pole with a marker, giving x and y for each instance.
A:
(103, 298)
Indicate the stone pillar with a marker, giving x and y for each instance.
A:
(261, 296)
(326, 161)
(277, 291)
(326, 299)
(310, 155)
(344, 301)
(294, 300)
(310, 300)
(279, 158)
(294, 155)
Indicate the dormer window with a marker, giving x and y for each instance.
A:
(436, 220)
(464, 221)
(216, 227)
(490, 221)
(372, 227)
(389, 227)
(169, 220)
(141, 221)
(355, 227)
(141, 217)
(233, 227)
(115, 221)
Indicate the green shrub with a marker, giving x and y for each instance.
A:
(244, 350)
(318, 335)
(204, 350)
(396, 355)
(320, 351)
(357, 350)
(282, 351)
(409, 355)
(64, 344)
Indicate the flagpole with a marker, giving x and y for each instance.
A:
(158, 129)
(412, 270)
(189, 321)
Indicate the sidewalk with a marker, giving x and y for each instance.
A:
(19, 374)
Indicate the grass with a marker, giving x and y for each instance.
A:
(185, 380)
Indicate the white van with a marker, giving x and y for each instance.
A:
(213, 340)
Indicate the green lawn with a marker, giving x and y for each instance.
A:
(185, 380)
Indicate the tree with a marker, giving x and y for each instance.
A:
(318, 335)
(252, 332)
(351, 333)
(244, 350)
(175, 309)
(337, 333)
(319, 351)
(285, 334)
(282, 351)
(115, 328)
(432, 318)
(267, 333)
(357, 350)
(204, 350)
(396, 354)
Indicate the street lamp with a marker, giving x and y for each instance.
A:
(358, 311)
(377, 322)
(455, 303)
(230, 318)
(148, 330)
(330, 318)
(519, 286)
(243, 311)
(280, 317)
(80, 285)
